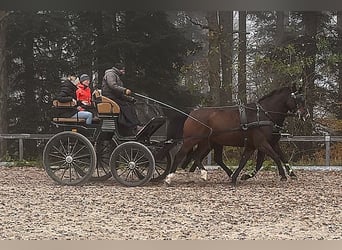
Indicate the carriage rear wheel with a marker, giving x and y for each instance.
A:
(132, 164)
(104, 150)
(69, 158)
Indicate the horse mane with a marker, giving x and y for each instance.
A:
(276, 91)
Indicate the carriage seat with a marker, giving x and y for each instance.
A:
(105, 106)
(64, 105)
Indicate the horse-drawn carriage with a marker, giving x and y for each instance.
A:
(79, 152)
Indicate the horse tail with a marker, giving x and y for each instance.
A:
(175, 127)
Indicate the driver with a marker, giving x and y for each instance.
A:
(112, 87)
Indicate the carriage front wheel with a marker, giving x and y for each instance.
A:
(69, 158)
(132, 164)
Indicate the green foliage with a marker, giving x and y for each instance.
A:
(47, 45)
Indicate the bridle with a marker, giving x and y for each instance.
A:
(298, 99)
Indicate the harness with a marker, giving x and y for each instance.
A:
(244, 124)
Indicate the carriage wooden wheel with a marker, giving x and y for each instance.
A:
(132, 164)
(69, 158)
(103, 150)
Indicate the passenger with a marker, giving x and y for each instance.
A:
(67, 93)
(83, 97)
(112, 87)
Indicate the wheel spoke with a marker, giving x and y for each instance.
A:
(57, 156)
(57, 162)
(142, 162)
(83, 147)
(124, 171)
(126, 160)
(63, 148)
(59, 151)
(74, 147)
(80, 157)
(139, 174)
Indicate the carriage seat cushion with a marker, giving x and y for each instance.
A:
(58, 104)
(105, 105)
(66, 120)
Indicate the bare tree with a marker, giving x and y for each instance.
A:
(339, 48)
(242, 57)
(214, 58)
(226, 45)
(311, 21)
(3, 82)
(282, 21)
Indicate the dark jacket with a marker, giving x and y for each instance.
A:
(112, 87)
(66, 94)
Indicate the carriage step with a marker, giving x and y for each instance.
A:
(108, 125)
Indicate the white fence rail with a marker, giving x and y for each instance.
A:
(22, 137)
(327, 139)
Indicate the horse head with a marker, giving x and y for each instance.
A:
(296, 103)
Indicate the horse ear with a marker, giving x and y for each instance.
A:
(294, 88)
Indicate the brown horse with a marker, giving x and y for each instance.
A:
(251, 128)
(218, 152)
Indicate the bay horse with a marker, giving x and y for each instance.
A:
(218, 152)
(250, 126)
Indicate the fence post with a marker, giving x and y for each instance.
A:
(21, 149)
(327, 150)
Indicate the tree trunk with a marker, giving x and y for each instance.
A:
(311, 20)
(226, 45)
(339, 49)
(100, 52)
(242, 95)
(214, 58)
(30, 114)
(281, 24)
(3, 83)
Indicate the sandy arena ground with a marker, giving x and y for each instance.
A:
(32, 206)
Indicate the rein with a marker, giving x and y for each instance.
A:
(175, 109)
(244, 126)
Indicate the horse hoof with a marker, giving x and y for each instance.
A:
(204, 175)
(283, 178)
(245, 177)
(233, 183)
(168, 179)
(293, 177)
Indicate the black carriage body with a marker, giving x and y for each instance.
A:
(105, 137)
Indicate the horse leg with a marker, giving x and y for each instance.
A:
(283, 158)
(218, 152)
(266, 147)
(181, 154)
(195, 165)
(245, 156)
(202, 150)
(188, 159)
(260, 160)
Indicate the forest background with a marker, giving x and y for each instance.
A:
(183, 58)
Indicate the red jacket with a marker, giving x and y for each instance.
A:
(83, 94)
